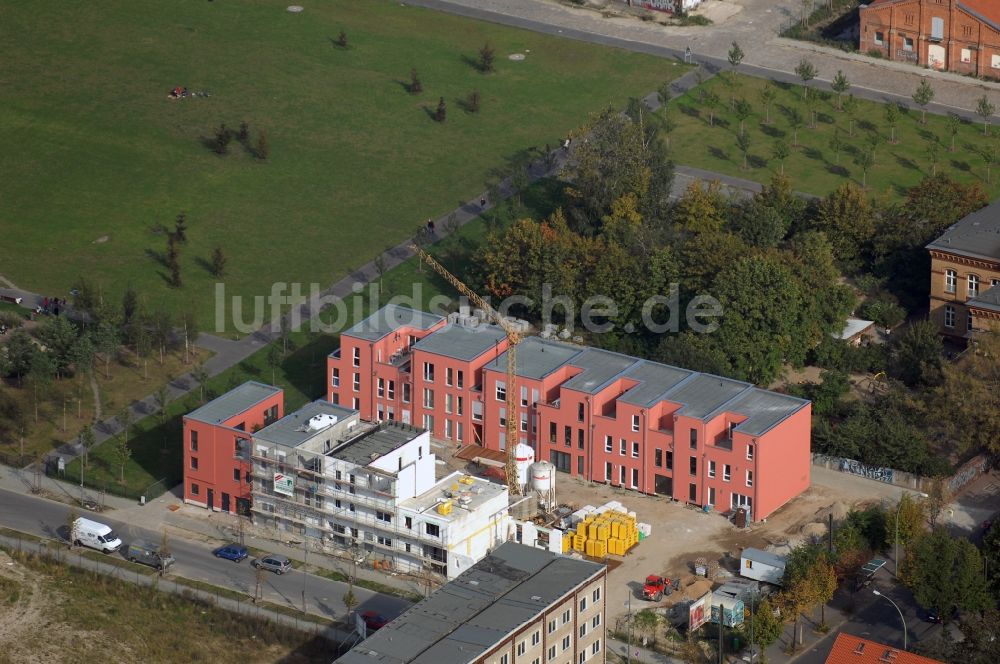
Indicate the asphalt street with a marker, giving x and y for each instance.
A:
(45, 518)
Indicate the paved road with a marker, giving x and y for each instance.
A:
(45, 518)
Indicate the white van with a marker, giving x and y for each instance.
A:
(95, 535)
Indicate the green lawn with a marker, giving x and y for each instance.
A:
(96, 157)
(814, 166)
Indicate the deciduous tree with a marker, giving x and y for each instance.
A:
(807, 72)
(780, 151)
(985, 109)
(767, 95)
(923, 96)
(840, 85)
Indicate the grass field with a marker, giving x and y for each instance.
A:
(814, 166)
(97, 158)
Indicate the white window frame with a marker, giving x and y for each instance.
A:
(950, 281)
(879, 38)
(711, 468)
(609, 444)
(622, 447)
(428, 398)
(966, 56)
(595, 622)
(749, 479)
(908, 44)
(501, 391)
(949, 316)
(356, 357)
(727, 472)
(750, 452)
(972, 285)
(596, 595)
(428, 372)
(335, 378)
(635, 423)
(381, 388)
(357, 382)
(635, 449)
(995, 61)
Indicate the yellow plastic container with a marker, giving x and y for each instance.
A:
(581, 529)
(567, 544)
(603, 532)
(600, 549)
(590, 547)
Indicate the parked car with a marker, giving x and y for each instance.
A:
(233, 552)
(149, 554)
(374, 621)
(94, 534)
(273, 563)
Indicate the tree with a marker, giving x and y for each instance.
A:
(200, 374)
(743, 143)
(985, 109)
(106, 341)
(173, 260)
(923, 96)
(743, 110)
(646, 622)
(892, 114)
(988, 153)
(812, 107)
(342, 39)
(807, 72)
(473, 101)
(222, 139)
(415, 87)
(82, 355)
(866, 161)
(130, 305)
(781, 152)
(916, 355)
(795, 121)
(767, 95)
(161, 398)
(840, 85)
(847, 217)
(487, 55)
(274, 359)
(808, 581)
(967, 402)
(349, 599)
(938, 496)
(87, 441)
(381, 265)
(180, 228)
(946, 574)
(161, 331)
(442, 111)
(244, 132)
(836, 144)
(41, 373)
(58, 337)
(735, 57)
(764, 627)
(933, 154)
(21, 351)
(263, 148)
(122, 450)
(911, 514)
(954, 126)
(711, 100)
(850, 108)
(218, 262)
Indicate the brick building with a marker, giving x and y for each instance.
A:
(603, 416)
(216, 473)
(955, 35)
(965, 275)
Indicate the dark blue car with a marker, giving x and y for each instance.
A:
(233, 552)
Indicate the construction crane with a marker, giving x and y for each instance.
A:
(513, 339)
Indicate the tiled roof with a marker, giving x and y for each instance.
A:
(849, 649)
(987, 10)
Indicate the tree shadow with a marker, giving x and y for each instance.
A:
(927, 135)
(689, 111)
(836, 169)
(961, 165)
(205, 265)
(405, 85)
(825, 118)
(866, 125)
(718, 153)
(784, 85)
(474, 63)
(907, 163)
(813, 153)
(722, 122)
(756, 162)
(157, 257)
(430, 111)
(772, 131)
(463, 103)
(210, 144)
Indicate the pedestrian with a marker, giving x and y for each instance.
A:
(482, 202)
(45, 304)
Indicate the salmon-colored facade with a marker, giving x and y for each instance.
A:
(606, 417)
(216, 469)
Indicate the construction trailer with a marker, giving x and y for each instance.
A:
(762, 566)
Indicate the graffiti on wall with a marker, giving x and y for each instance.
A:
(967, 473)
(871, 472)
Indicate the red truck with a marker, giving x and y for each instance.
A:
(656, 587)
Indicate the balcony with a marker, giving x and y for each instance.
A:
(724, 442)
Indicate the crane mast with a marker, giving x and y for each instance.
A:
(513, 339)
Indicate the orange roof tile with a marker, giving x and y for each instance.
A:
(849, 649)
(988, 9)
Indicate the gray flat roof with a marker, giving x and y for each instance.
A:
(390, 318)
(470, 615)
(232, 403)
(461, 343)
(388, 437)
(761, 556)
(599, 366)
(537, 357)
(763, 409)
(977, 235)
(987, 299)
(703, 394)
(655, 380)
(292, 430)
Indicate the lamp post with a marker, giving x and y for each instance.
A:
(901, 618)
(628, 646)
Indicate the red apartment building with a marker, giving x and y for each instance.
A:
(216, 476)
(955, 35)
(604, 416)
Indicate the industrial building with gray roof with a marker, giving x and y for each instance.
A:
(471, 615)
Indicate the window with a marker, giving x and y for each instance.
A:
(448, 375)
(622, 447)
(448, 426)
(583, 604)
(357, 357)
(536, 637)
(381, 388)
(406, 393)
(596, 647)
(552, 432)
(908, 19)
(907, 43)
(693, 492)
(596, 596)
(568, 435)
(658, 458)
(503, 417)
(552, 652)
(195, 489)
(693, 465)
(194, 463)
(579, 438)
(392, 390)
(635, 450)
(995, 61)
(966, 56)
(750, 452)
(635, 423)
(994, 282)
(969, 327)
(749, 478)
(335, 378)
(711, 469)
(552, 626)
(501, 391)
(428, 398)
(566, 616)
(726, 472)
(429, 422)
(583, 630)
(973, 285)
(459, 409)
(609, 444)
(596, 621)
(609, 471)
(236, 475)
(384, 541)
(383, 516)
(350, 507)
(460, 382)
(635, 478)
(583, 657)
(534, 396)
(694, 439)
(521, 647)
(670, 460)
(194, 441)
(524, 421)
(879, 38)
(537, 660)
(503, 658)
(432, 529)
(428, 372)
(357, 382)
(565, 643)
(579, 412)
(949, 316)
(524, 396)
(937, 28)
(448, 399)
